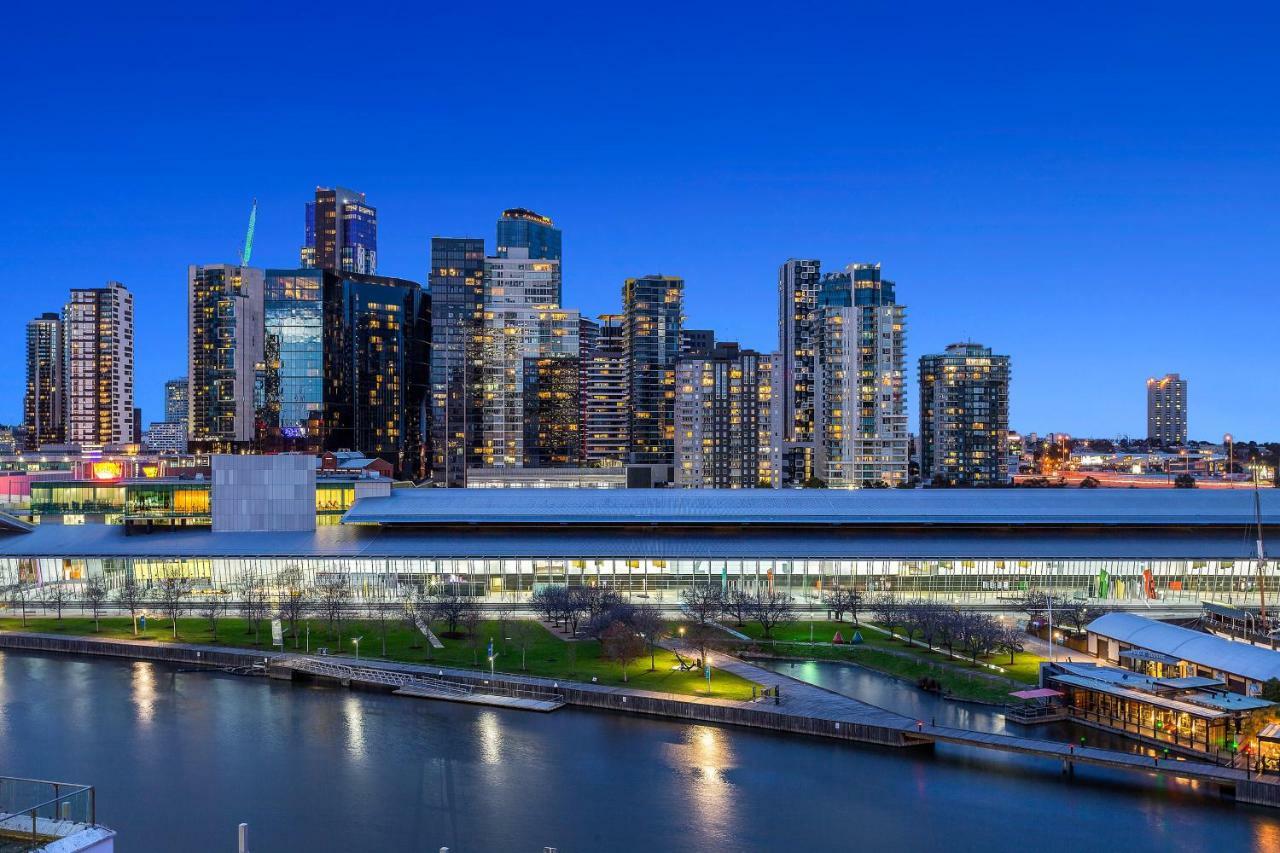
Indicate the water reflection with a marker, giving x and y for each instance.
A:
(489, 731)
(703, 759)
(353, 718)
(401, 774)
(143, 693)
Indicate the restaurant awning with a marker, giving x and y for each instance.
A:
(1038, 693)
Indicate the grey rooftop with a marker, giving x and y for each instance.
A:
(1206, 650)
(769, 507)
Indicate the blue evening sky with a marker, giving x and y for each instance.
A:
(1091, 188)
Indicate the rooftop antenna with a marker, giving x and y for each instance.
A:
(248, 237)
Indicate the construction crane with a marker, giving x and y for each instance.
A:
(248, 237)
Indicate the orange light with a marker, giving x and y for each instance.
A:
(107, 471)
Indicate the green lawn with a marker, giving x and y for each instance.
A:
(544, 654)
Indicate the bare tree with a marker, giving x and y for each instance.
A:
(545, 601)
(622, 645)
(295, 599)
(648, 622)
(979, 634)
(837, 601)
(887, 609)
(524, 631)
(252, 591)
(57, 596)
(131, 597)
(856, 600)
(451, 605)
(170, 592)
(332, 594)
(702, 603)
(471, 624)
(213, 608)
(420, 612)
(771, 609)
(1075, 613)
(737, 602)
(95, 595)
(702, 637)
(19, 593)
(950, 625)
(1010, 640)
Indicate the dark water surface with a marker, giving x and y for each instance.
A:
(180, 758)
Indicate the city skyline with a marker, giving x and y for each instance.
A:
(1040, 226)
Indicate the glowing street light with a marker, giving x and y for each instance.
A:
(356, 642)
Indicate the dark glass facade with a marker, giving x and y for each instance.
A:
(653, 307)
(377, 356)
(523, 229)
(42, 403)
(456, 285)
(551, 412)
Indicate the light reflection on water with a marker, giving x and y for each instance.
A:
(327, 768)
(703, 759)
(144, 691)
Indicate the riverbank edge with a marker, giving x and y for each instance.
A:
(579, 694)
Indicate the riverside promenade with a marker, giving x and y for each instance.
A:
(801, 709)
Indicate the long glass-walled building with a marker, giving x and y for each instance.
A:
(1129, 548)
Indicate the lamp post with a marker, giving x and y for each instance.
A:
(356, 642)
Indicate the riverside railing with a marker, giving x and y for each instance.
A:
(36, 810)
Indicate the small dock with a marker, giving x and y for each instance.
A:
(522, 703)
(417, 685)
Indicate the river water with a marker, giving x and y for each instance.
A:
(180, 758)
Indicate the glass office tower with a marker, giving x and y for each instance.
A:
(523, 229)
(341, 232)
(291, 388)
(376, 369)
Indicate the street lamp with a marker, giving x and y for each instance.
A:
(356, 642)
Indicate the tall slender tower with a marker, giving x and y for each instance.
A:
(798, 328)
(861, 362)
(456, 284)
(1167, 410)
(341, 232)
(97, 340)
(653, 306)
(225, 325)
(42, 403)
(604, 395)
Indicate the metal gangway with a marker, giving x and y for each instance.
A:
(376, 675)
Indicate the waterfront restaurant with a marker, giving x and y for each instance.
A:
(1164, 650)
(1193, 713)
(963, 545)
